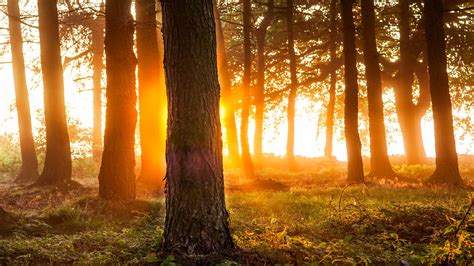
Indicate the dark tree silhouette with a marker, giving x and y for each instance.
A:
(290, 143)
(29, 162)
(447, 170)
(116, 176)
(379, 163)
(355, 171)
(196, 217)
(57, 166)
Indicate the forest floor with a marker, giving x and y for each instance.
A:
(310, 216)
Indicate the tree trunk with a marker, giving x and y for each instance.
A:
(57, 166)
(227, 102)
(333, 78)
(151, 119)
(116, 176)
(244, 141)
(447, 170)
(29, 162)
(97, 68)
(290, 144)
(409, 115)
(261, 33)
(196, 217)
(379, 162)
(355, 171)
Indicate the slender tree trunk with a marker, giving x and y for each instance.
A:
(152, 150)
(244, 141)
(379, 161)
(447, 170)
(97, 68)
(409, 115)
(57, 166)
(333, 78)
(29, 162)
(117, 176)
(261, 33)
(290, 144)
(355, 171)
(196, 216)
(227, 102)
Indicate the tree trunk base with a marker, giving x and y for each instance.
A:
(63, 185)
(446, 178)
(26, 176)
(234, 255)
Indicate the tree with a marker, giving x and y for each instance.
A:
(355, 171)
(379, 162)
(244, 141)
(290, 144)
(151, 119)
(261, 34)
(196, 217)
(447, 170)
(117, 176)
(57, 166)
(29, 162)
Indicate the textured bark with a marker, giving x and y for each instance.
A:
(379, 163)
(153, 163)
(409, 114)
(244, 139)
(116, 176)
(227, 102)
(97, 68)
(29, 162)
(355, 171)
(57, 166)
(332, 82)
(196, 217)
(261, 34)
(290, 143)
(447, 170)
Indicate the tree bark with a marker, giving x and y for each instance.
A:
(57, 166)
(244, 141)
(196, 217)
(227, 102)
(290, 144)
(355, 171)
(153, 163)
(261, 33)
(332, 82)
(29, 162)
(447, 170)
(117, 176)
(379, 161)
(97, 68)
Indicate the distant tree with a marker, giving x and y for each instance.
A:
(447, 170)
(196, 217)
(57, 166)
(117, 176)
(379, 163)
(246, 79)
(355, 169)
(151, 119)
(29, 166)
(290, 144)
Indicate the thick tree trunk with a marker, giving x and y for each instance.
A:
(261, 33)
(29, 162)
(409, 114)
(227, 102)
(97, 68)
(355, 171)
(244, 140)
(333, 78)
(447, 170)
(196, 217)
(117, 176)
(379, 162)
(151, 119)
(57, 166)
(290, 143)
